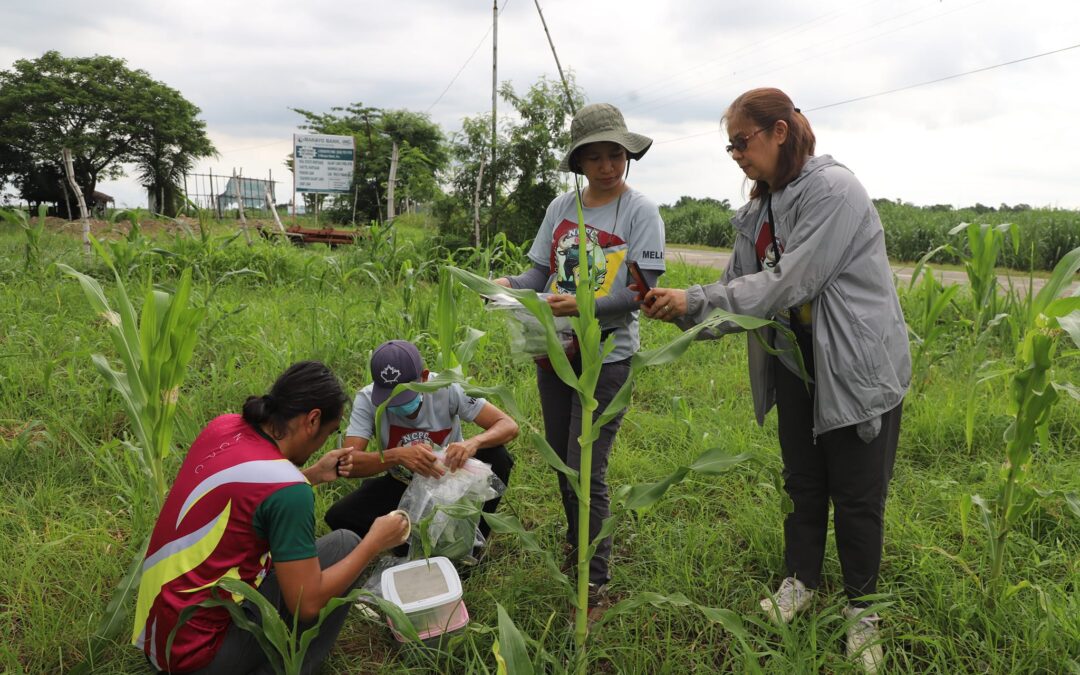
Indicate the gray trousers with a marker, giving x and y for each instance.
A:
(240, 652)
(562, 429)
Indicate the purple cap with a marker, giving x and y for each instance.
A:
(392, 363)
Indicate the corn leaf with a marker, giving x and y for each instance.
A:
(513, 656)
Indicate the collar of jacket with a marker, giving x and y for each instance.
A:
(746, 218)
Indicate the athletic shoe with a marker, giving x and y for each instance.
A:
(792, 597)
(864, 639)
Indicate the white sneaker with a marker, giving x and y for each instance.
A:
(792, 597)
(864, 640)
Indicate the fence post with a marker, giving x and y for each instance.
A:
(69, 167)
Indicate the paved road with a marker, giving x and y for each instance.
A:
(719, 259)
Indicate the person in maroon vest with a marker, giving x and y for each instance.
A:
(241, 507)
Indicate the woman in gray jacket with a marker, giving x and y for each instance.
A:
(810, 254)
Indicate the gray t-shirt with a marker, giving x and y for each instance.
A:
(628, 228)
(438, 421)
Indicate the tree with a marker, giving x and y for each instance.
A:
(421, 148)
(106, 113)
(530, 145)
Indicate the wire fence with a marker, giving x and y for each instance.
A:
(225, 194)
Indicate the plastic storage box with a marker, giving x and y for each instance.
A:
(429, 592)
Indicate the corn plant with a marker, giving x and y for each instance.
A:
(711, 462)
(285, 646)
(154, 349)
(984, 244)
(925, 308)
(1032, 395)
(33, 232)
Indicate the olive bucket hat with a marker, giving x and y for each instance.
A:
(599, 122)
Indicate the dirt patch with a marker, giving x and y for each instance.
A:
(150, 227)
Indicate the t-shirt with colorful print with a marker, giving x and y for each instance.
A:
(627, 228)
(437, 422)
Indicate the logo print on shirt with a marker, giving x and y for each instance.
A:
(568, 265)
(390, 374)
(767, 253)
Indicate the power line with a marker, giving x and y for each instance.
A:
(666, 82)
(899, 89)
(675, 97)
(948, 77)
(467, 61)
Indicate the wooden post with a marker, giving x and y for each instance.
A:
(390, 183)
(70, 169)
(240, 206)
(494, 98)
(476, 205)
(273, 210)
(215, 205)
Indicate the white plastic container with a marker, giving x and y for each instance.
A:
(429, 592)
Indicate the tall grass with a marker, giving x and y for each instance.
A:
(714, 539)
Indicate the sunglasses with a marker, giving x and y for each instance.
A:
(741, 142)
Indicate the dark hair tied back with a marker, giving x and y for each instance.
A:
(303, 387)
(764, 108)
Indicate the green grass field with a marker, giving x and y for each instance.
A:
(67, 533)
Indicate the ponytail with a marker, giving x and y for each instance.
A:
(305, 386)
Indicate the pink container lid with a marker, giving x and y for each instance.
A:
(457, 620)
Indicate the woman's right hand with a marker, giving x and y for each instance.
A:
(388, 531)
(502, 281)
(664, 304)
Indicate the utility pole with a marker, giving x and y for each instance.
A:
(494, 98)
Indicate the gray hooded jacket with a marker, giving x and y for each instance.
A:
(833, 257)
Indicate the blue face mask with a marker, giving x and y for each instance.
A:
(406, 409)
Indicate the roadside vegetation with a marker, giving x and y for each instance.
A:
(981, 571)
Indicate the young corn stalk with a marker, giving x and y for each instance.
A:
(1033, 394)
(285, 646)
(155, 347)
(587, 330)
(33, 232)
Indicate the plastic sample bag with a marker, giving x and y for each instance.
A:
(527, 339)
(452, 532)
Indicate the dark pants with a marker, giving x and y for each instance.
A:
(378, 496)
(840, 467)
(562, 429)
(240, 652)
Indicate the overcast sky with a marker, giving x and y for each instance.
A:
(1009, 134)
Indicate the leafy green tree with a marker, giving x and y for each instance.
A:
(529, 147)
(105, 112)
(422, 155)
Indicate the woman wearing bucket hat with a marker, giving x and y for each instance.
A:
(810, 254)
(622, 225)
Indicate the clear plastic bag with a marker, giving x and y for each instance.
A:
(450, 535)
(527, 339)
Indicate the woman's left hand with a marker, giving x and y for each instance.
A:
(326, 469)
(563, 305)
(664, 304)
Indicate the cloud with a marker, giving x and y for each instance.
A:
(992, 137)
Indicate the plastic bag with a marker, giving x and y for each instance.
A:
(450, 535)
(527, 338)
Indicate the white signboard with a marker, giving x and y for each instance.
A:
(323, 163)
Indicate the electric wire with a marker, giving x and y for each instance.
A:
(467, 61)
(899, 89)
(674, 97)
(665, 83)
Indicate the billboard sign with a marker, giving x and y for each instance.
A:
(323, 163)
